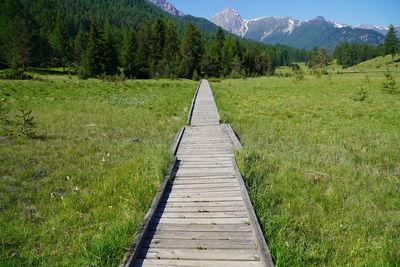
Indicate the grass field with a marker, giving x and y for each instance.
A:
(76, 194)
(322, 167)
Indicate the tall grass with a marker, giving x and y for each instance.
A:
(322, 169)
(76, 193)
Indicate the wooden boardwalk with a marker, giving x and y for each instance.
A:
(203, 215)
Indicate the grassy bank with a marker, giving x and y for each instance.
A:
(321, 166)
(76, 194)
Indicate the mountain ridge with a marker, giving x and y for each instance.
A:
(292, 32)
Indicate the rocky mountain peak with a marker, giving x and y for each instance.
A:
(167, 7)
(230, 20)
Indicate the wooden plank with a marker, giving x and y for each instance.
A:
(195, 244)
(241, 227)
(204, 221)
(203, 214)
(200, 254)
(190, 263)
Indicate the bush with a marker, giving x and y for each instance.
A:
(14, 75)
(389, 85)
(23, 125)
(361, 93)
(114, 78)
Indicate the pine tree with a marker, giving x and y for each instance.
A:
(228, 55)
(19, 43)
(46, 17)
(80, 46)
(158, 42)
(144, 51)
(60, 43)
(391, 43)
(94, 61)
(219, 43)
(111, 50)
(191, 50)
(128, 52)
(171, 52)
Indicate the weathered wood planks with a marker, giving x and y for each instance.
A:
(204, 216)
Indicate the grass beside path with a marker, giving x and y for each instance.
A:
(76, 195)
(322, 169)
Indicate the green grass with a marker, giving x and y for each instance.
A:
(378, 64)
(322, 170)
(76, 194)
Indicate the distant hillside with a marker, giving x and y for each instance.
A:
(378, 64)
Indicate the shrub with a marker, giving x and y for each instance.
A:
(389, 85)
(15, 75)
(361, 93)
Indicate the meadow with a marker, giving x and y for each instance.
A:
(322, 165)
(76, 193)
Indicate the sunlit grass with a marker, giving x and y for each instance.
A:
(323, 170)
(76, 195)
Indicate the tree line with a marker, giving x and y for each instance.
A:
(352, 54)
(36, 33)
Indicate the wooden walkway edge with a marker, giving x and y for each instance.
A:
(202, 214)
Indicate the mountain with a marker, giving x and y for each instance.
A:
(381, 29)
(167, 7)
(294, 32)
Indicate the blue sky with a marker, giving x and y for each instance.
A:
(353, 12)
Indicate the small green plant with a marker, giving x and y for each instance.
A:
(389, 85)
(366, 79)
(5, 122)
(298, 74)
(25, 124)
(361, 93)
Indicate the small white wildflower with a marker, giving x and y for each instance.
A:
(108, 154)
(76, 189)
(62, 198)
(104, 159)
(67, 178)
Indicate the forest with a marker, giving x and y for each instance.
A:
(130, 37)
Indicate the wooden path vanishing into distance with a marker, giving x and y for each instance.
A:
(202, 214)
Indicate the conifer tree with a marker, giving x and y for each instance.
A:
(144, 51)
(171, 52)
(111, 50)
(158, 44)
(46, 18)
(191, 50)
(60, 43)
(80, 46)
(94, 61)
(128, 52)
(19, 43)
(391, 43)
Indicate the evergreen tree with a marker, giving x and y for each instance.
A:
(158, 44)
(144, 51)
(19, 43)
(111, 50)
(391, 43)
(128, 52)
(219, 45)
(94, 61)
(80, 46)
(191, 50)
(171, 51)
(61, 44)
(46, 18)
